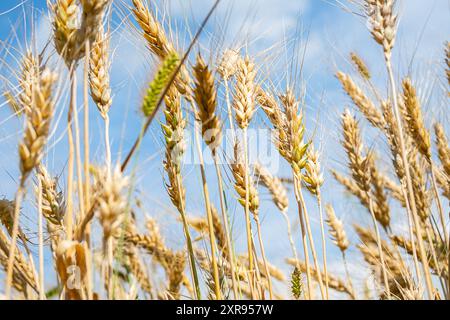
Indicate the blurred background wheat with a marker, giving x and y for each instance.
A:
(224, 149)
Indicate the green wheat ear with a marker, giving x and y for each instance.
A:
(296, 284)
(157, 85)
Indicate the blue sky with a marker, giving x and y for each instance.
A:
(268, 30)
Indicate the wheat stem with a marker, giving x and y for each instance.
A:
(190, 248)
(212, 237)
(107, 146)
(41, 244)
(228, 234)
(289, 232)
(247, 211)
(229, 108)
(79, 165)
(347, 272)
(380, 250)
(72, 107)
(86, 165)
(418, 228)
(12, 247)
(304, 241)
(411, 235)
(439, 203)
(266, 266)
(311, 242)
(324, 247)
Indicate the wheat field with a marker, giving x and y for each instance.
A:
(216, 170)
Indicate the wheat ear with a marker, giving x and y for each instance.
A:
(205, 97)
(293, 148)
(37, 126)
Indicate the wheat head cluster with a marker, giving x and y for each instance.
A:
(94, 240)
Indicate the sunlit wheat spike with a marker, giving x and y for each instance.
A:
(65, 22)
(364, 104)
(152, 30)
(337, 230)
(360, 65)
(274, 185)
(109, 190)
(290, 142)
(99, 65)
(175, 147)
(383, 22)
(205, 96)
(159, 44)
(227, 67)
(353, 146)
(91, 20)
(313, 177)
(53, 206)
(29, 77)
(37, 124)
(245, 92)
(271, 108)
(238, 171)
(392, 135)
(414, 119)
(442, 148)
(23, 276)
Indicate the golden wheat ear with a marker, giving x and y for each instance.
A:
(205, 96)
